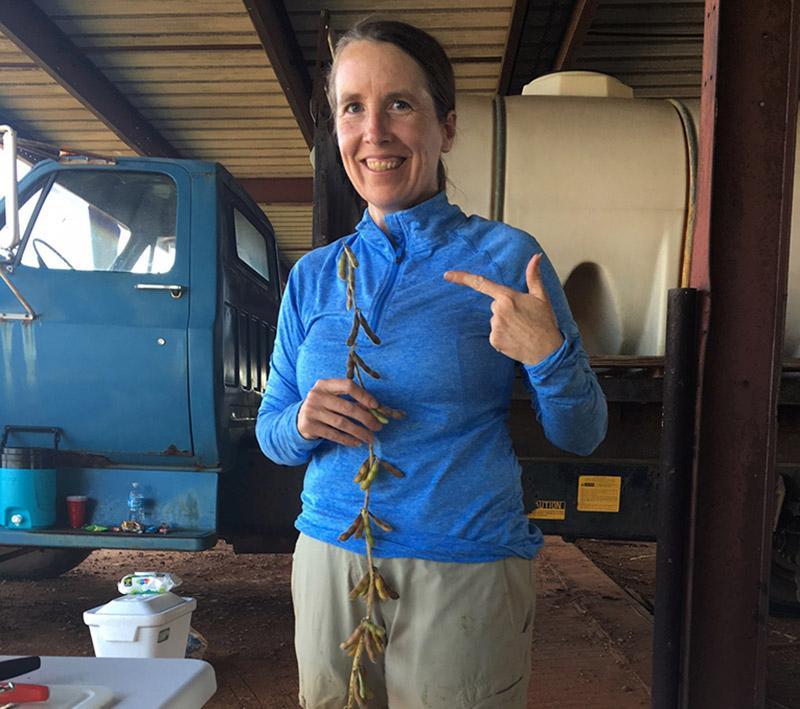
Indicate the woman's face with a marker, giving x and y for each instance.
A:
(389, 135)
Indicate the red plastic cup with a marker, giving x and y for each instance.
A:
(76, 509)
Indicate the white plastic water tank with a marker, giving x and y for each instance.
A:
(601, 180)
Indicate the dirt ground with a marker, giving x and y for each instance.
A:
(632, 566)
(244, 611)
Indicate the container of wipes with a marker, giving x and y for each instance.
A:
(147, 582)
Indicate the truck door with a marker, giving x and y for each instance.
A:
(251, 296)
(104, 263)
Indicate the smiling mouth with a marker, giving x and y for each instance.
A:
(384, 165)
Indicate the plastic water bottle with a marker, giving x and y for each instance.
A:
(136, 504)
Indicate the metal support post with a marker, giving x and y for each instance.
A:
(747, 141)
(680, 364)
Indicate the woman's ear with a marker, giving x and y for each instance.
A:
(448, 131)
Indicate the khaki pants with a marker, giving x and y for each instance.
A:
(459, 636)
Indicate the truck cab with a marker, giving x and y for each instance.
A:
(137, 314)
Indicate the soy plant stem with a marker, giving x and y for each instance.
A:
(368, 636)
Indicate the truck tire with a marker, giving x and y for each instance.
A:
(33, 563)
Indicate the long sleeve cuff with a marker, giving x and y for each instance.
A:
(539, 372)
(568, 399)
(279, 438)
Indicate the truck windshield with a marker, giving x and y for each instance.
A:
(101, 220)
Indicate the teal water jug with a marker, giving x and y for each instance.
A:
(27, 487)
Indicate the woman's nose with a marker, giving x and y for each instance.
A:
(376, 128)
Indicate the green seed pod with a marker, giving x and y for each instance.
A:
(370, 333)
(378, 415)
(367, 527)
(376, 630)
(341, 266)
(349, 303)
(391, 469)
(380, 587)
(373, 471)
(351, 256)
(361, 363)
(362, 471)
(362, 688)
(351, 366)
(360, 587)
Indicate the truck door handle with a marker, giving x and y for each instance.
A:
(175, 291)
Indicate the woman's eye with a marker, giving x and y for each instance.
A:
(352, 108)
(400, 105)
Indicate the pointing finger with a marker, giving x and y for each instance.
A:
(533, 277)
(478, 283)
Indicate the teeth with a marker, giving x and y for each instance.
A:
(382, 165)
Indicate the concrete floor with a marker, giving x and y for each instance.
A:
(591, 647)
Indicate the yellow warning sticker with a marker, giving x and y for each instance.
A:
(548, 509)
(599, 493)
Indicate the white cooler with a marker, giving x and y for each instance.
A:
(141, 625)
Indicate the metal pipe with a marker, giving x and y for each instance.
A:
(29, 315)
(680, 363)
(10, 173)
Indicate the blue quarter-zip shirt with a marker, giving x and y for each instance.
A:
(461, 499)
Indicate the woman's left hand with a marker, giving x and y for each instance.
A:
(524, 326)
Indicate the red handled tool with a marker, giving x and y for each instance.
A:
(17, 693)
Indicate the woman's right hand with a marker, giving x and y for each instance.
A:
(325, 414)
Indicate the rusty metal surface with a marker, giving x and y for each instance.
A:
(748, 115)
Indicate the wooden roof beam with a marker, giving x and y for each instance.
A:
(279, 190)
(519, 14)
(33, 32)
(271, 22)
(583, 12)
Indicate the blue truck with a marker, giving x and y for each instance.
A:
(138, 305)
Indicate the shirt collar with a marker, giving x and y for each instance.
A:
(415, 230)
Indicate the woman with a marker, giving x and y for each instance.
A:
(455, 300)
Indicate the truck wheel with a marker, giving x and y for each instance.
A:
(34, 563)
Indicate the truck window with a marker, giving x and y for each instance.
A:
(25, 211)
(95, 220)
(251, 246)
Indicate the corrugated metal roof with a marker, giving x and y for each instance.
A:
(292, 225)
(473, 32)
(197, 72)
(656, 47)
(31, 97)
